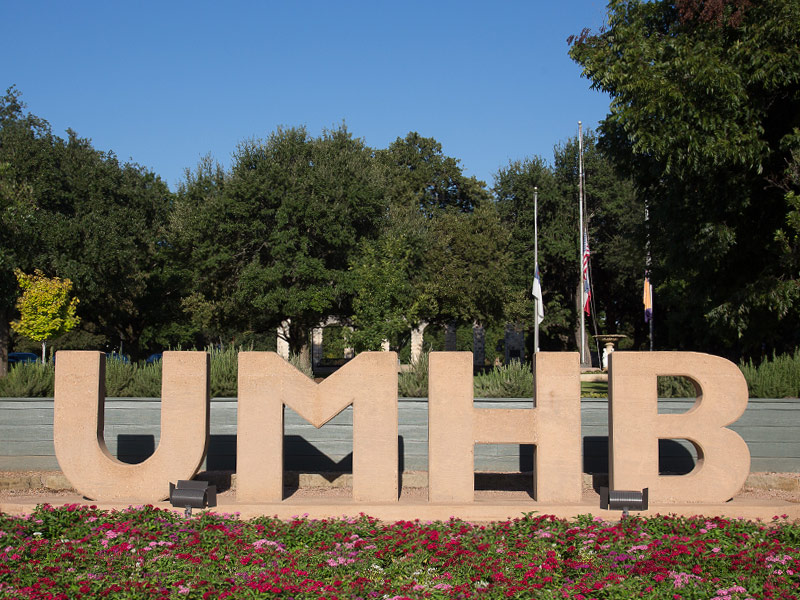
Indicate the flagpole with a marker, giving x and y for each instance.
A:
(536, 265)
(649, 302)
(580, 240)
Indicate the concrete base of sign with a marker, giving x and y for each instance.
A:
(415, 508)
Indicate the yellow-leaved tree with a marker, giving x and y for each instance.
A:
(45, 308)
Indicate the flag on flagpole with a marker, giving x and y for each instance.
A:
(587, 289)
(647, 299)
(537, 294)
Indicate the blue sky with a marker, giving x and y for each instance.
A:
(164, 83)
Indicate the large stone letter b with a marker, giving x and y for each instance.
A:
(634, 426)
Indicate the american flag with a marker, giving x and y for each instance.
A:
(587, 289)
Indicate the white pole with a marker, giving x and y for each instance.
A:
(580, 240)
(536, 265)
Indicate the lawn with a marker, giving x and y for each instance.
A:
(78, 552)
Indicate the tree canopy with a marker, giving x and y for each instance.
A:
(45, 307)
(78, 213)
(705, 116)
(273, 238)
(703, 135)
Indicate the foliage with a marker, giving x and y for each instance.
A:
(224, 372)
(119, 375)
(413, 383)
(302, 364)
(557, 218)
(28, 380)
(614, 219)
(433, 338)
(145, 380)
(133, 380)
(272, 239)
(45, 307)
(441, 254)
(79, 212)
(514, 380)
(775, 378)
(676, 387)
(74, 551)
(386, 302)
(704, 116)
(16, 208)
(466, 267)
(419, 175)
(778, 377)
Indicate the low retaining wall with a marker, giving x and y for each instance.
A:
(132, 429)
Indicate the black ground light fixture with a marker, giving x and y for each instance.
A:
(192, 494)
(623, 500)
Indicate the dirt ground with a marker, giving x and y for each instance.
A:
(777, 486)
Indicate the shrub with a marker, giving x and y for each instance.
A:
(146, 381)
(28, 380)
(514, 380)
(301, 364)
(224, 371)
(676, 387)
(778, 377)
(119, 376)
(414, 382)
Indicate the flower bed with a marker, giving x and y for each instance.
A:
(79, 552)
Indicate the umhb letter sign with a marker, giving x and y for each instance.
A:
(267, 383)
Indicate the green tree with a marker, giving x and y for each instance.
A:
(466, 267)
(91, 219)
(273, 239)
(705, 113)
(441, 256)
(386, 304)
(18, 231)
(557, 218)
(45, 307)
(417, 173)
(202, 274)
(16, 208)
(614, 219)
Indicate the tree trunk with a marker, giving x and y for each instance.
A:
(450, 338)
(298, 342)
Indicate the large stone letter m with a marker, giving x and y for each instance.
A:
(267, 382)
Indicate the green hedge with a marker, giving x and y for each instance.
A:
(778, 377)
(130, 380)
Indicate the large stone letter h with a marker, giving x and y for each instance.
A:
(554, 426)
(267, 382)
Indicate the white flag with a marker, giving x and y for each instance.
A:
(537, 294)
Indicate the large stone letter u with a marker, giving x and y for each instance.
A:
(78, 428)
